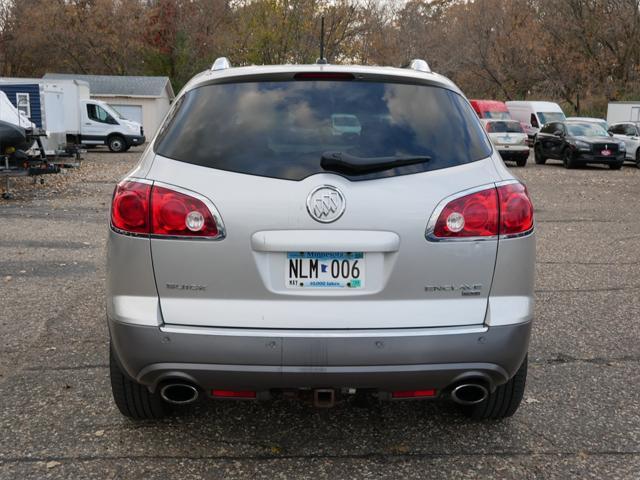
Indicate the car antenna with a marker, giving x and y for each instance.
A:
(321, 60)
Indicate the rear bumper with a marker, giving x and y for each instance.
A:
(514, 154)
(241, 359)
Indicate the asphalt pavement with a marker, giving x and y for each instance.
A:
(580, 417)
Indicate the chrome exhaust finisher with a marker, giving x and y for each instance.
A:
(179, 393)
(469, 393)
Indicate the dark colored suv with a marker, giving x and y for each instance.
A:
(578, 143)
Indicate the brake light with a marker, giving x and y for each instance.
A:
(177, 214)
(145, 209)
(130, 207)
(324, 76)
(474, 215)
(502, 210)
(516, 209)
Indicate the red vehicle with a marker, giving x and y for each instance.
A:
(492, 109)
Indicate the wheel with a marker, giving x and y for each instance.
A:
(537, 155)
(638, 157)
(521, 162)
(504, 401)
(616, 166)
(132, 399)
(117, 144)
(567, 159)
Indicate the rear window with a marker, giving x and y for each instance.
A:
(497, 115)
(504, 127)
(546, 117)
(281, 129)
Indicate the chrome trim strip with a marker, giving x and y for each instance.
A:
(301, 333)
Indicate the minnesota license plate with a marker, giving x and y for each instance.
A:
(325, 270)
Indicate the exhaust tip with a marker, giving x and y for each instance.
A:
(179, 393)
(469, 394)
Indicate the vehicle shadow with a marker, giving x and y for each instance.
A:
(558, 164)
(292, 428)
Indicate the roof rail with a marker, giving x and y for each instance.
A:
(221, 63)
(419, 65)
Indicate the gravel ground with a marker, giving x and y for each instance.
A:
(580, 417)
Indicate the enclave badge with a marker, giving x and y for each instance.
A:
(182, 286)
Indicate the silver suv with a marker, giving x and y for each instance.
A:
(321, 230)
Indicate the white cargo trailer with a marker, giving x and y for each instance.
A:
(623, 112)
(43, 103)
(64, 109)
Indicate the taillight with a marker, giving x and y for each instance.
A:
(177, 214)
(502, 210)
(516, 209)
(130, 207)
(474, 215)
(144, 209)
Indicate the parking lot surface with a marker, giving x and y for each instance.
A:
(580, 417)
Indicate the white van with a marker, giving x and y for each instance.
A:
(533, 115)
(102, 124)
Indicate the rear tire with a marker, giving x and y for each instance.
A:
(504, 401)
(117, 144)
(616, 166)
(521, 162)
(638, 157)
(132, 399)
(537, 156)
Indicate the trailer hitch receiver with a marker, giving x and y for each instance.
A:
(324, 398)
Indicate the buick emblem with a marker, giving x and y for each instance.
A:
(325, 204)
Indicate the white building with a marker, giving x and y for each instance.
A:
(142, 99)
(623, 112)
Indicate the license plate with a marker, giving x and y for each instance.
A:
(606, 153)
(325, 270)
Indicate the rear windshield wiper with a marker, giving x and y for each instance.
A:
(352, 164)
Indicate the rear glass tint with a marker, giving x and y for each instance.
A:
(281, 129)
(504, 127)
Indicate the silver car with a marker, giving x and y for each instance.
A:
(255, 252)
